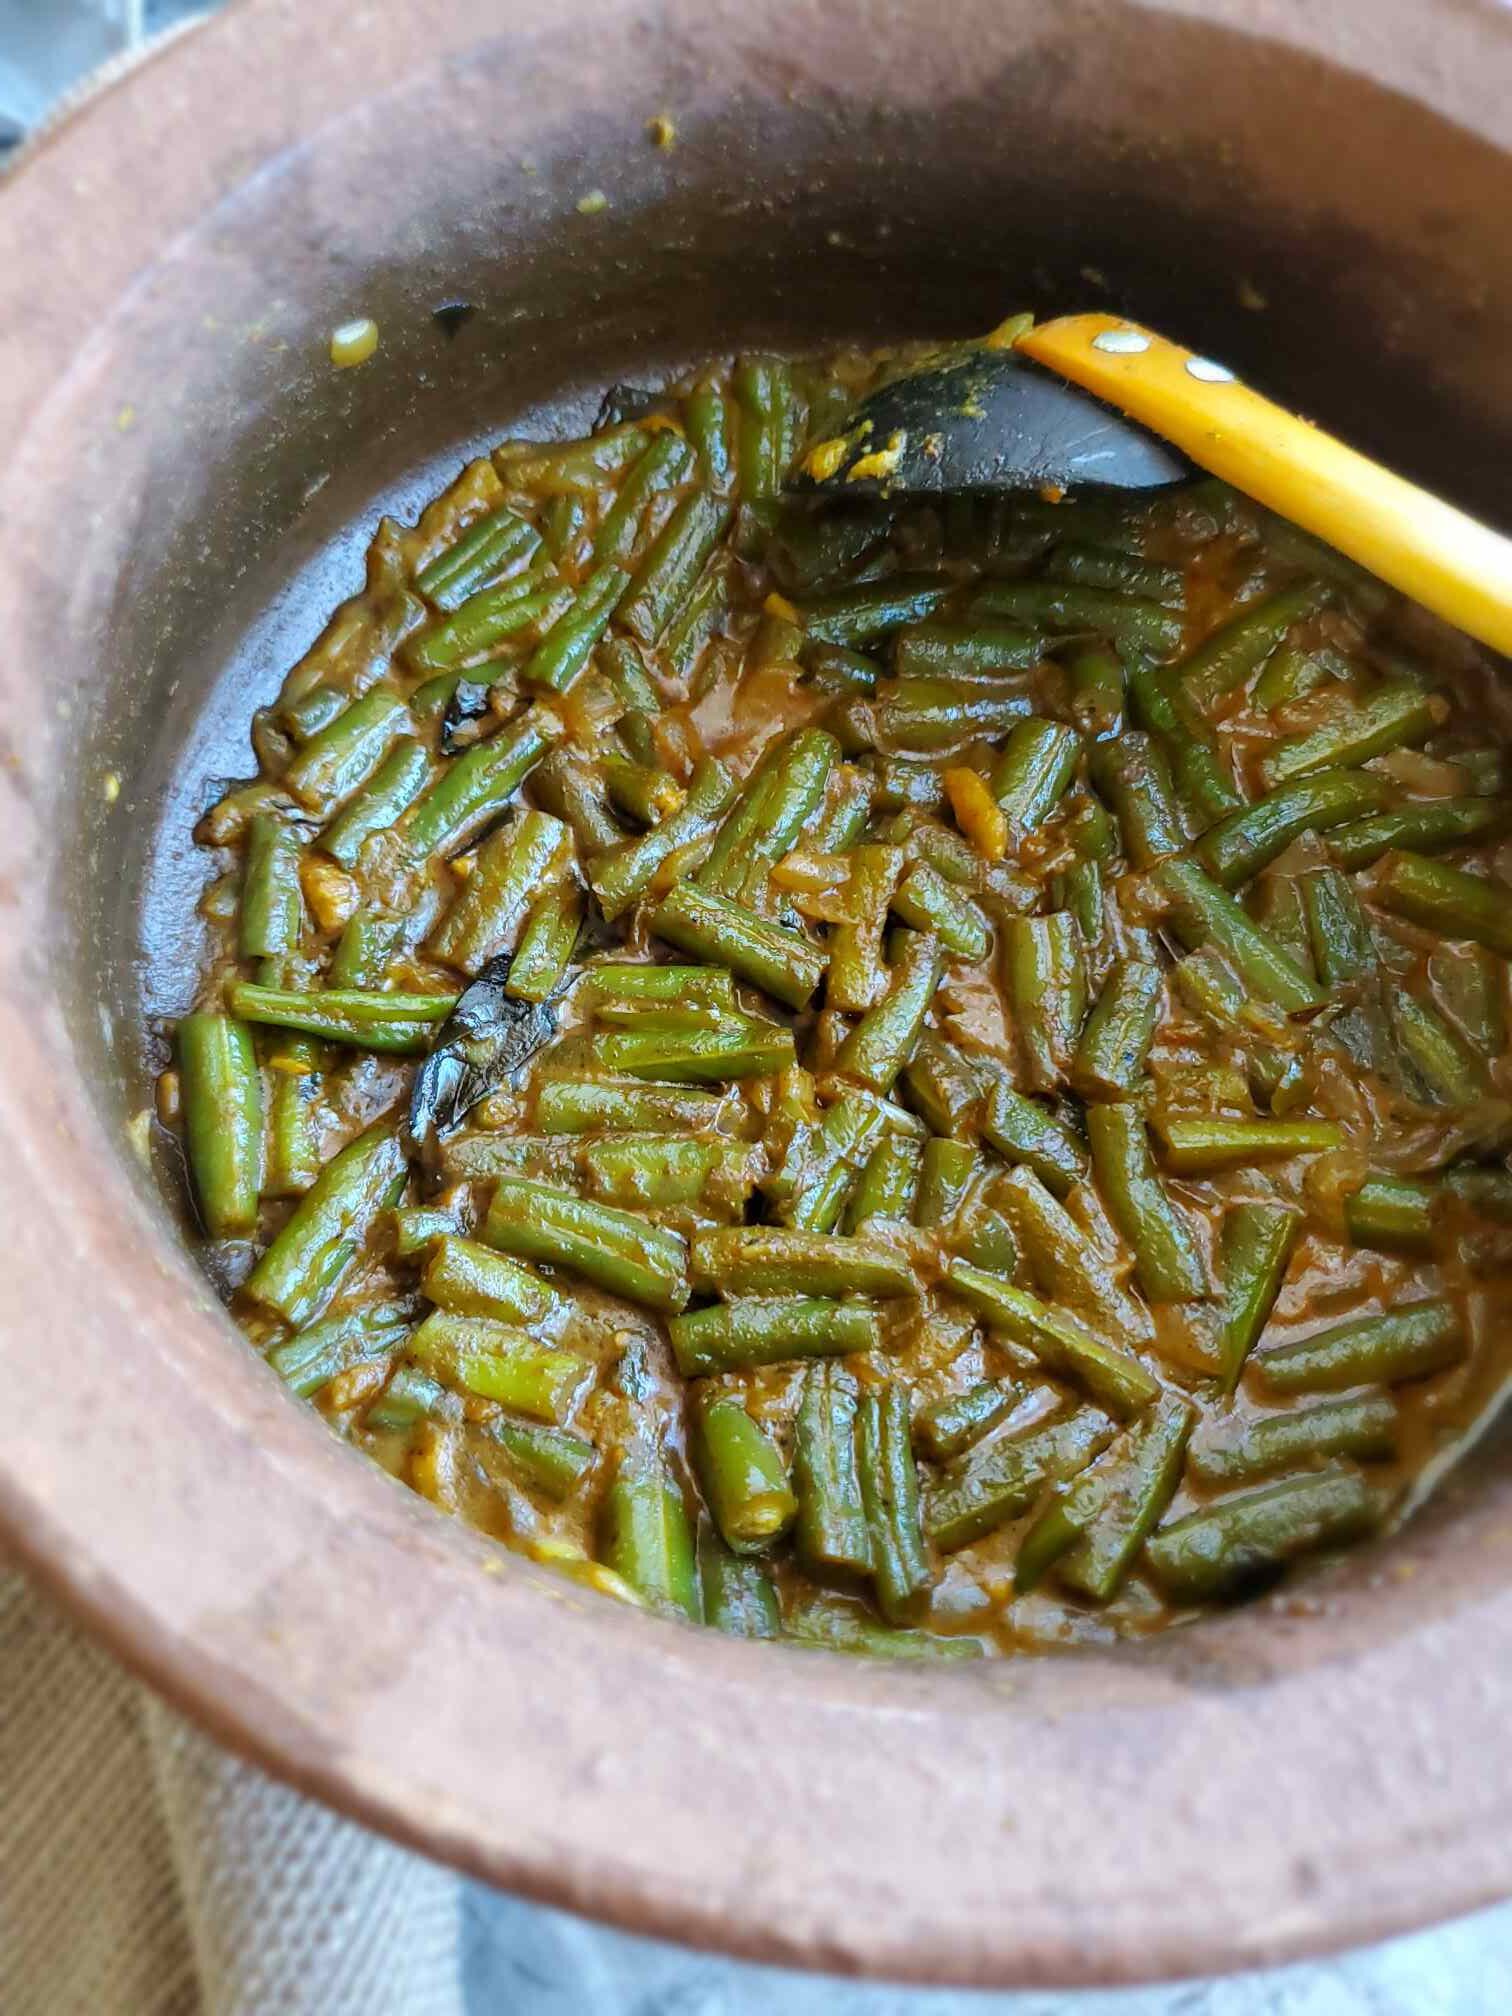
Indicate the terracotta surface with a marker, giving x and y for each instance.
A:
(186, 481)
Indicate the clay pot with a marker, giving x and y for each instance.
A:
(1317, 195)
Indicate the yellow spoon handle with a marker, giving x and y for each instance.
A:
(1451, 563)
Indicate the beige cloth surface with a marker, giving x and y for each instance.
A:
(143, 1872)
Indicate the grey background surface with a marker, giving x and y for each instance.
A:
(521, 1960)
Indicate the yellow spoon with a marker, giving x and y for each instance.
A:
(1451, 563)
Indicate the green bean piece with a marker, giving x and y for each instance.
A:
(1397, 714)
(1046, 975)
(1144, 1485)
(742, 1474)
(1430, 828)
(648, 1540)
(1000, 1479)
(1410, 1342)
(771, 1260)
(475, 787)
(364, 952)
(307, 715)
(928, 717)
(1447, 900)
(898, 784)
(668, 575)
(1470, 985)
(1024, 1132)
(947, 1172)
(832, 1529)
(563, 653)
(1064, 1262)
(417, 1227)
(888, 1184)
(400, 1024)
(706, 415)
(1364, 1427)
(645, 792)
(346, 753)
(857, 977)
(842, 820)
(1255, 1250)
(293, 1137)
(303, 1266)
(1096, 684)
(856, 617)
(1338, 936)
(1034, 772)
(616, 1250)
(671, 986)
(272, 908)
(785, 963)
(1114, 1378)
(466, 1279)
(653, 1172)
(474, 633)
(622, 875)
(1239, 647)
(1133, 774)
(392, 789)
(1193, 1145)
(1168, 1259)
(1201, 773)
(1114, 1047)
(568, 468)
(738, 1596)
(1233, 1545)
(1204, 914)
(1091, 566)
(942, 1088)
(889, 1482)
(666, 463)
(547, 942)
(838, 1150)
(312, 1357)
(495, 1361)
(1132, 622)
(927, 901)
(831, 1624)
(763, 391)
(881, 1043)
(693, 627)
(792, 795)
(575, 794)
(770, 1330)
(513, 866)
(950, 1427)
(1392, 1214)
(963, 650)
(1446, 1065)
(479, 559)
(687, 1051)
(584, 1105)
(1244, 843)
(221, 1095)
(1291, 673)
(552, 1460)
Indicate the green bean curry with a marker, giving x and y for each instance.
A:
(924, 1078)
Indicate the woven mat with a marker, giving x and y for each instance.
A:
(145, 1873)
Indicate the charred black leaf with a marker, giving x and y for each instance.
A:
(467, 708)
(630, 402)
(487, 1038)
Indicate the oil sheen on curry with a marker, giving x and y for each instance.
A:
(930, 1079)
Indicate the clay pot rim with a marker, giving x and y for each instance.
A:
(1458, 1857)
